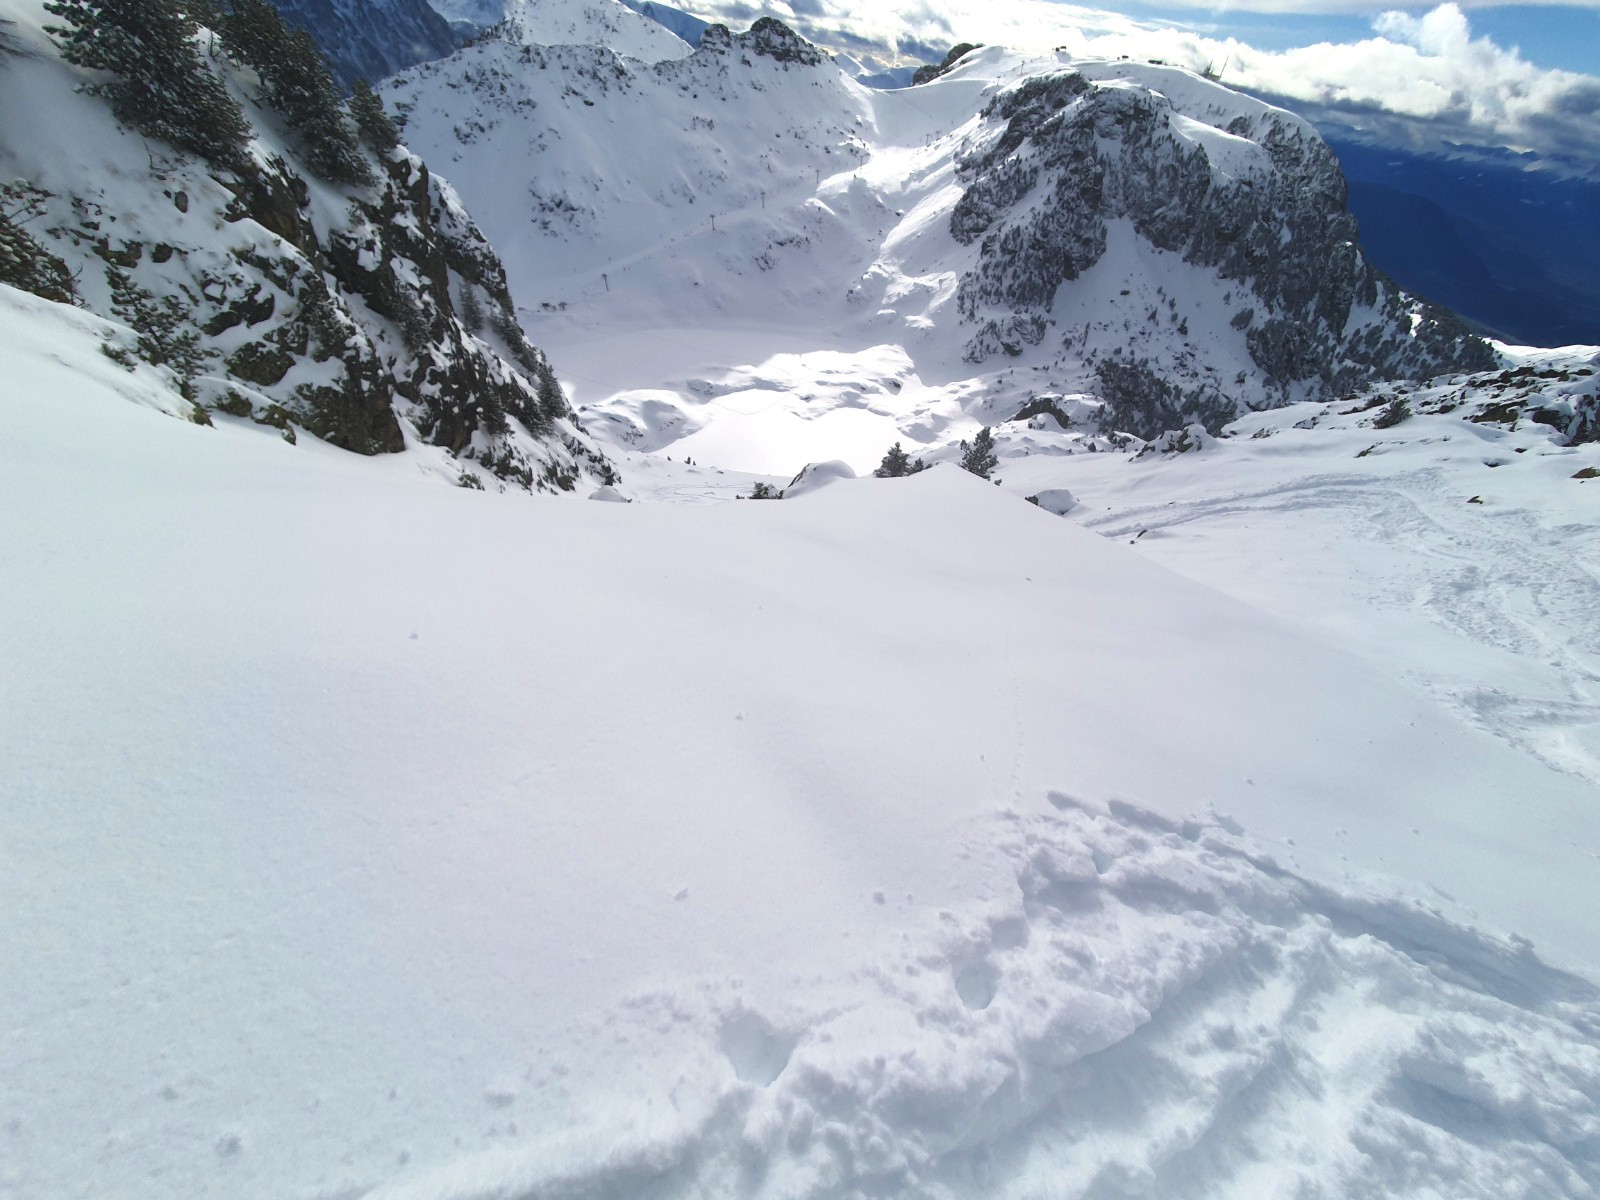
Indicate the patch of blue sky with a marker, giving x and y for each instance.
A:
(1565, 37)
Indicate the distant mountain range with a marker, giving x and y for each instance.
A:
(372, 39)
(1511, 246)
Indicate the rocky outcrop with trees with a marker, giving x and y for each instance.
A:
(278, 251)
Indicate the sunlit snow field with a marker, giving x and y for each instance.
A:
(903, 838)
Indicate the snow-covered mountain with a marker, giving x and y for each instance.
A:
(1205, 817)
(373, 314)
(1146, 244)
(372, 39)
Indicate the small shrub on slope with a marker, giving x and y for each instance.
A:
(166, 332)
(1393, 413)
(24, 263)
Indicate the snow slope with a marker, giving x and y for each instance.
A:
(1459, 548)
(362, 837)
(372, 314)
(899, 839)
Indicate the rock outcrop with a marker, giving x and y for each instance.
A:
(1259, 204)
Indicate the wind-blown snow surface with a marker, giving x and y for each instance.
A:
(364, 837)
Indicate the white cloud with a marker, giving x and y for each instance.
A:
(1432, 71)
(1420, 79)
(1349, 8)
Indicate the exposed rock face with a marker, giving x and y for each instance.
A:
(371, 39)
(769, 38)
(411, 253)
(1261, 204)
(931, 71)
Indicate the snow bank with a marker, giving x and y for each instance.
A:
(814, 476)
(1152, 1009)
(1055, 500)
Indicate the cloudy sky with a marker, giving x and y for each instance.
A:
(1522, 77)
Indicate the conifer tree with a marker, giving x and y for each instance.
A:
(979, 457)
(377, 127)
(897, 463)
(299, 86)
(165, 331)
(24, 263)
(160, 85)
(470, 310)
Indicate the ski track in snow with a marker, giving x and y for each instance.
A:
(1510, 582)
(1156, 1011)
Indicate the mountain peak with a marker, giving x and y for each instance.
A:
(768, 37)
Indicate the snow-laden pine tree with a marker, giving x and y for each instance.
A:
(377, 128)
(159, 83)
(897, 463)
(978, 456)
(299, 86)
